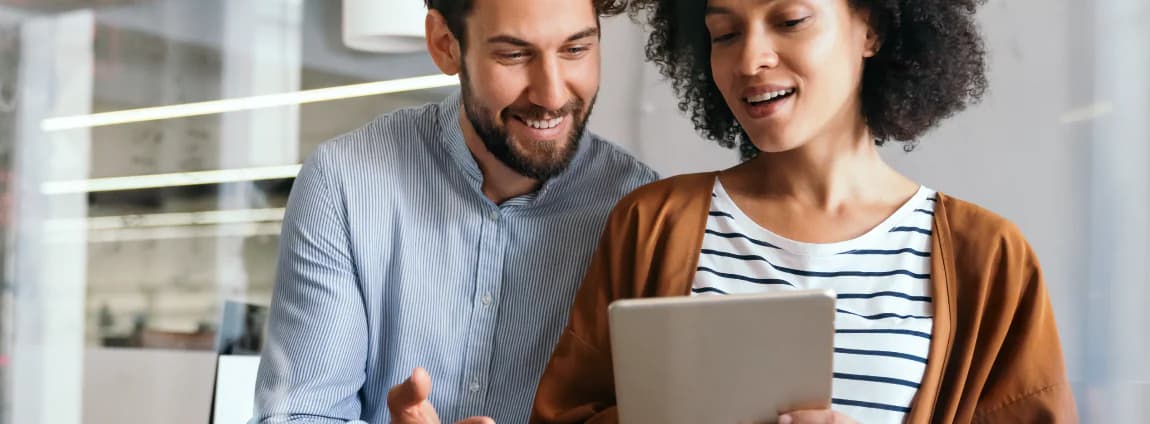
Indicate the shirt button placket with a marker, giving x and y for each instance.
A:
(487, 282)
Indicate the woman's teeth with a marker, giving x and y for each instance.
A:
(770, 96)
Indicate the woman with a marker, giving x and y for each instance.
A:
(943, 315)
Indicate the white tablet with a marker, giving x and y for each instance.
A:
(722, 359)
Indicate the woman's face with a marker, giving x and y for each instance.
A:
(790, 70)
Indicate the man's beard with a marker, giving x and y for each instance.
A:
(549, 158)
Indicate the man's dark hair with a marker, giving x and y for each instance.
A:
(931, 65)
(456, 11)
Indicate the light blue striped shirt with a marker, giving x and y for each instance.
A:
(392, 258)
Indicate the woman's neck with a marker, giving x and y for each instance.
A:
(825, 173)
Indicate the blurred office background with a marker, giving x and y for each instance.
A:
(125, 233)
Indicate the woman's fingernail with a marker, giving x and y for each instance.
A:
(785, 419)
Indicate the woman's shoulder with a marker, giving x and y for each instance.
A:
(673, 193)
(975, 226)
(987, 253)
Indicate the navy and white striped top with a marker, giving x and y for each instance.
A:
(882, 279)
(392, 258)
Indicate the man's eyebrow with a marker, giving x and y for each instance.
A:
(589, 32)
(508, 40)
(519, 42)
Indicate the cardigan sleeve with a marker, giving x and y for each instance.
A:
(649, 248)
(578, 383)
(1026, 381)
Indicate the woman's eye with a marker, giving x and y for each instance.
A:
(723, 38)
(791, 23)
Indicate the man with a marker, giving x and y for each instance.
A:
(449, 238)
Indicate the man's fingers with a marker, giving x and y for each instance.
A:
(411, 392)
(407, 401)
(477, 420)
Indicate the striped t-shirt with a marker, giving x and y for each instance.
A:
(882, 280)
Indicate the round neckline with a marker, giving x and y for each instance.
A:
(802, 248)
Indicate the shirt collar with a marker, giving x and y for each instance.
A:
(452, 137)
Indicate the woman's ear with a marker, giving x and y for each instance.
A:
(873, 40)
(442, 44)
(873, 43)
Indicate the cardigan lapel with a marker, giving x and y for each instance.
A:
(943, 288)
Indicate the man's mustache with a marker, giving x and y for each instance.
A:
(538, 113)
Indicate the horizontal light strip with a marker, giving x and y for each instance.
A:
(248, 103)
(168, 233)
(176, 219)
(171, 180)
(1083, 114)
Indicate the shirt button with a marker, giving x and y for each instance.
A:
(494, 215)
(487, 299)
(474, 387)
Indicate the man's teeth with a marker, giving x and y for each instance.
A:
(543, 125)
(770, 96)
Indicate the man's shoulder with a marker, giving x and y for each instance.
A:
(388, 148)
(390, 132)
(611, 161)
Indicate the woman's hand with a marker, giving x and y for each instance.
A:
(815, 416)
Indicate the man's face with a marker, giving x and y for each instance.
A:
(530, 74)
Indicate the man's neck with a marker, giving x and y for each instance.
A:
(500, 182)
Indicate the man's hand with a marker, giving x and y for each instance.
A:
(407, 402)
(815, 416)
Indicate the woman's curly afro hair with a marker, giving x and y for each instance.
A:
(931, 65)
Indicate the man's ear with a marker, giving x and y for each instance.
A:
(442, 44)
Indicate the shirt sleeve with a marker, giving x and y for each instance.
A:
(313, 363)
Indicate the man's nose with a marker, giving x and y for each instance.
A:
(547, 88)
